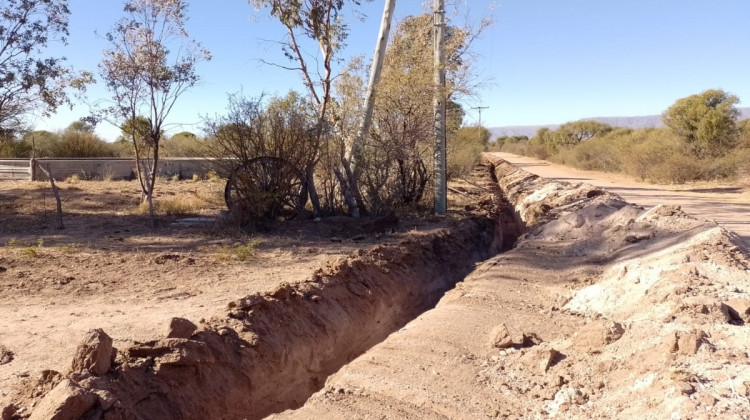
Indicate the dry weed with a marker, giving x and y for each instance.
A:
(73, 179)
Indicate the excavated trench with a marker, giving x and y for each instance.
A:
(602, 309)
(272, 351)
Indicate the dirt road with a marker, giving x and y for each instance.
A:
(728, 205)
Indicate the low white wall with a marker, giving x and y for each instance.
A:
(101, 168)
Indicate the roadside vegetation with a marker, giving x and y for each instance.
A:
(702, 140)
(348, 163)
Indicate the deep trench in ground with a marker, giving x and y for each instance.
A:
(383, 289)
(391, 313)
(272, 351)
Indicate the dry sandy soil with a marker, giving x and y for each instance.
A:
(108, 269)
(603, 309)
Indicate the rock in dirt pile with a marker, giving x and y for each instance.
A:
(602, 310)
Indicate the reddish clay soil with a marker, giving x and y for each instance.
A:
(109, 270)
(602, 309)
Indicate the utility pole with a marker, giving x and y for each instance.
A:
(438, 42)
(480, 108)
(479, 129)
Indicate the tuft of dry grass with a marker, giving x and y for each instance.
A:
(238, 251)
(174, 206)
(213, 176)
(73, 179)
(26, 249)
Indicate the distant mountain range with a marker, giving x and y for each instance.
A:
(647, 121)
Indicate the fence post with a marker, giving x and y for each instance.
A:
(32, 169)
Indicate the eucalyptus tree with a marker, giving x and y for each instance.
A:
(320, 21)
(30, 79)
(150, 63)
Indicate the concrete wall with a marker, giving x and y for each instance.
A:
(15, 169)
(101, 168)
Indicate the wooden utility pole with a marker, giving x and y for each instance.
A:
(479, 129)
(438, 40)
(480, 108)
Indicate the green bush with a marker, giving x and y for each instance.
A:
(75, 143)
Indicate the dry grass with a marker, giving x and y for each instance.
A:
(25, 249)
(175, 206)
(236, 252)
(73, 179)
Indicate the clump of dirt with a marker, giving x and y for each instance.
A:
(6, 356)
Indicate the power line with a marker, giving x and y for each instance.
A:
(480, 108)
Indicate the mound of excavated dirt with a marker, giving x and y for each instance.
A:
(602, 310)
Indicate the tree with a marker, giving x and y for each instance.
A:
(151, 62)
(577, 131)
(400, 149)
(29, 81)
(464, 148)
(12, 147)
(80, 125)
(502, 140)
(353, 150)
(317, 20)
(706, 122)
(42, 142)
(183, 144)
(79, 140)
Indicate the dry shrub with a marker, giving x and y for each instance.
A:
(213, 176)
(462, 155)
(675, 169)
(600, 153)
(735, 165)
(174, 206)
(655, 155)
(526, 148)
(73, 179)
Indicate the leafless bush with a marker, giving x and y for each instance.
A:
(270, 145)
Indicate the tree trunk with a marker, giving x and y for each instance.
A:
(353, 152)
(59, 214)
(311, 190)
(348, 197)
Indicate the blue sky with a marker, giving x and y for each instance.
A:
(543, 61)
